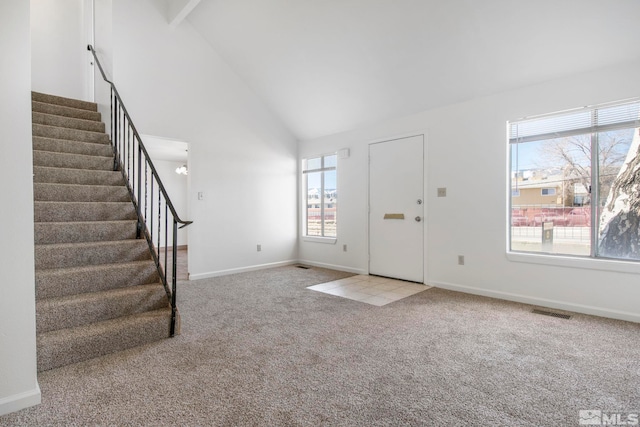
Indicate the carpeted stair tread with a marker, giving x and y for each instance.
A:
(71, 161)
(66, 102)
(98, 290)
(62, 255)
(67, 122)
(71, 134)
(76, 176)
(83, 211)
(60, 110)
(66, 346)
(84, 231)
(77, 310)
(59, 282)
(72, 147)
(45, 191)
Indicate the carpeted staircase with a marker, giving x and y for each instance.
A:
(97, 288)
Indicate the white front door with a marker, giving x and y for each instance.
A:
(396, 209)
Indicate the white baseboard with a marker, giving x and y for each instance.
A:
(272, 265)
(333, 266)
(20, 401)
(240, 270)
(560, 305)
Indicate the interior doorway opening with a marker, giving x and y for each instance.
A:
(171, 160)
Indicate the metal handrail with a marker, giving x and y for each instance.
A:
(127, 143)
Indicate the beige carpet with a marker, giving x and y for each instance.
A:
(260, 349)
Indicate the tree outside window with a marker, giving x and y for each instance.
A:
(578, 172)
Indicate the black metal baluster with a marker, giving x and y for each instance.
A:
(159, 217)
(146, 184)
(123, 145)
(118, 137)
(133, 166)
(123, 152)
(166, 234)
(114, 123)
(121, 138)
(151, 212)
(130, 154)
(174, 262)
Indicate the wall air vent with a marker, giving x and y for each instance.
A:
(551, 313)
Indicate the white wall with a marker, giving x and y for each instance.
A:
(241, 157)
(59, 34)
(18, 384)
(467, 153)
(103, 45)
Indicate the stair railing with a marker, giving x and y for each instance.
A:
(153, 205)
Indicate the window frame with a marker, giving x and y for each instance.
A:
(594, 260)
(322, 238)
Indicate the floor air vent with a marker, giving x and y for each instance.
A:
(551, 313)
(304, 267)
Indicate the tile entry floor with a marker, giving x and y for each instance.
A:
(373, 290)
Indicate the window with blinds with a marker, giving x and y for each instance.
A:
(577, 179)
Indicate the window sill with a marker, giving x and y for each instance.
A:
(327, 240)
(631, 267)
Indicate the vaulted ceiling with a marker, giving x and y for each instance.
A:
(326, 66)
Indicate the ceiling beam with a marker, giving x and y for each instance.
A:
(178, 10)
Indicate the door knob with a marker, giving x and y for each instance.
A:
(418, 219)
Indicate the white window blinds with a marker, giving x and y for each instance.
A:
(585, 120)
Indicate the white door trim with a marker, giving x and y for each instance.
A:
(88, 10)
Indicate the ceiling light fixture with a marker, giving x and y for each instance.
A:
(182, 170)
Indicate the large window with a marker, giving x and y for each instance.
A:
(575, 182)
(321, 196)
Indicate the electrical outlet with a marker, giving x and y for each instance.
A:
(344, 248)
(460, 259)
(259, 247)
(442, 192)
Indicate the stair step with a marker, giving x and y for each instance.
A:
(66, 102)
(98, 290)
(63, 255)
(72, 147)
(67, 122)
(70, 134)
(60, 282)
(83, 211)
(77, 310)
(66, 346)
(60, 110)
(76, 176)
(84, 231)
(44, 191)
(71, 161)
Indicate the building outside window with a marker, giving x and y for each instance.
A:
(577, 173)
(321, 196)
